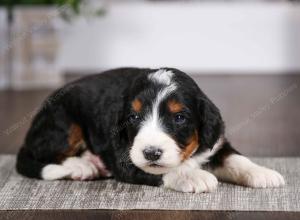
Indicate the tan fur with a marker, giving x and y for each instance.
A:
(137, 105)
(75, 142)
(175, 106)
(191, 147)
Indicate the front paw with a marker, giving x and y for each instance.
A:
(261, 177)
(80, 168)
(191, 180)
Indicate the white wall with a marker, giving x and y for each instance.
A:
(211, 37)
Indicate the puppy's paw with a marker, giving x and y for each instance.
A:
(261, 177)
(97, 162)
(81, 169)
(190, 180)
(240, 170)
(55, 172)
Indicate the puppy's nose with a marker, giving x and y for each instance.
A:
(152, 153)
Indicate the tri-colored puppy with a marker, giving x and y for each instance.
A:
(142, 126)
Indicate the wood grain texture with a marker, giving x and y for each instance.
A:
(144, 214)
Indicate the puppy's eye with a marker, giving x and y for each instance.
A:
(179, 119)
(133, 118)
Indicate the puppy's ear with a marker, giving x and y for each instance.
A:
(211, 125)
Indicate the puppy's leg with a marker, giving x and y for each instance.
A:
(55, 148)
(228, 165)
(86, 167)
(189, 179)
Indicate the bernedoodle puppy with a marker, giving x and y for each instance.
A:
(141, 126)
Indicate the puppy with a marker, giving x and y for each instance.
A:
(141, 126)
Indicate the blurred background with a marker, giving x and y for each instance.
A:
(245, 55)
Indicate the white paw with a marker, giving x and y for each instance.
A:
(98, 163)
(55, 172)
(261, 177)
(81, 169)
(190, 180)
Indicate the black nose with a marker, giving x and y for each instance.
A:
(152, 153)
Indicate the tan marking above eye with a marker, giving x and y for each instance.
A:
(137, 105)
(191, 147)
(175, 106)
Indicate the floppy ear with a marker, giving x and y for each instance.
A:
(211, 125)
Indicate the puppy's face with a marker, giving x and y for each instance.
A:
(164, 127)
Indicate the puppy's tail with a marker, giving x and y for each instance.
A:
(27, 165)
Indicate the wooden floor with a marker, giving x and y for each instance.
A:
(145, 214)
(262, 116)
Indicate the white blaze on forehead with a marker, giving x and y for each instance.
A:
(162, 94)
(162, 76)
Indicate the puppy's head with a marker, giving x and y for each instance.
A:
(170, 119)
